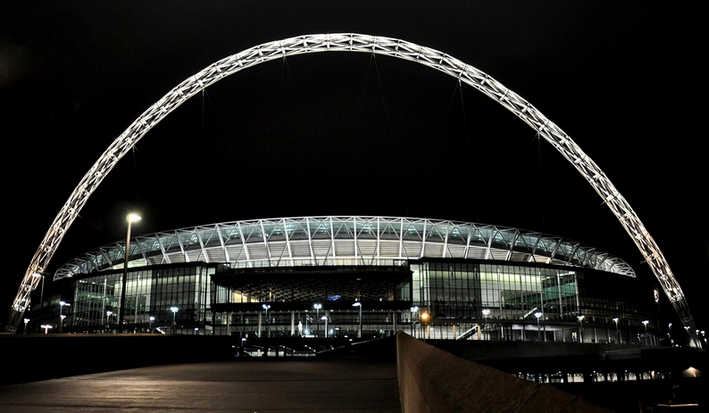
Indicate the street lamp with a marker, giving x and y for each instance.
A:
(130, 218)
(266, 307)
(425, 316)
(359, 331)
(325, 318)
(109, 313)
(150, 324)
(61, 317)
(27, 320)
(486, 312)
(317, 308)
(645, 322)
(538, 314)
(617, 332)
(580, 318)
(37, 274)
(46, 327)
(174, 310)
(414, 310)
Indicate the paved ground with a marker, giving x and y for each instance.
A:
(232, 386)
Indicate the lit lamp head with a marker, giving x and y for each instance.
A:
(425, 316)
(131, 218)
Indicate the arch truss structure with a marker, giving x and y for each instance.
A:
(350, 42)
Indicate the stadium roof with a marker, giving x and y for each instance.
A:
(341, 240)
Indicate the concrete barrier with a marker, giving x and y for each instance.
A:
(434, 381)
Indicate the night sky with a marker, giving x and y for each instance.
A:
(354, 134)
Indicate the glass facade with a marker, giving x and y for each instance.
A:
(151, 292)
(504, 301)
(463, 299)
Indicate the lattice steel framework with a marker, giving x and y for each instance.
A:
(352, 241)
(350, 42)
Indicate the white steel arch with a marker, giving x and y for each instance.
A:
(350, 42)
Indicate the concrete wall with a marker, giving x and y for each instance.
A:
(432, 380)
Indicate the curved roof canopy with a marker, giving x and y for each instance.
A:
(335, 240)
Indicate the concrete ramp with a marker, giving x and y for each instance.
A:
(432, 380)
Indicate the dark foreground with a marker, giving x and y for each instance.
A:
(228, 386)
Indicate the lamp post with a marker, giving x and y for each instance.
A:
(266, 307)
(538, 314)
(46, 327)
(150, 324)
(131, 218)
(580, 318)
(359, 330)
(669, 334)
(325, 319)
(317, 308)
(617, 332)
(414, 310)
(41, 295)
(645, 322)
(174, 310)
(425, 316)
(27, 320)
(61, 316)
(486, 312)
(108, 318)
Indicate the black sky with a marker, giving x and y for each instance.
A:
(346, 134)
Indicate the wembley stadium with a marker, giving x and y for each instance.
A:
(352, 276)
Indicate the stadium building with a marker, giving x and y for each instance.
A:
(354, 276)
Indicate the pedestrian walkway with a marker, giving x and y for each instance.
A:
(244, 386)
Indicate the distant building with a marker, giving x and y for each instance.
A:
(314, 276)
